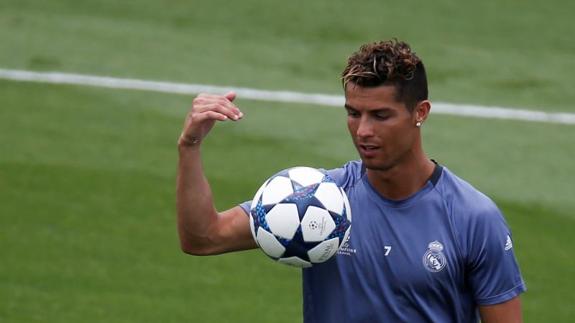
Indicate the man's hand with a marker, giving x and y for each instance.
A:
(206, 110)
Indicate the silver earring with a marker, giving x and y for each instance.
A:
(418, 124)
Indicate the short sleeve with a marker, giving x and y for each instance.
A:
(493, 272)
(347, 175)
(246, 206)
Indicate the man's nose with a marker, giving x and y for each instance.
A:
(365, 128)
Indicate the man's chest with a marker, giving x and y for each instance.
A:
(406, 249)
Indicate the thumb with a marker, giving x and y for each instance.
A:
(230, 95)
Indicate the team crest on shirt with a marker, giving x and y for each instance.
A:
(433, 259)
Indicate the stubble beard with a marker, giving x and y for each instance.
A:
(379, 167)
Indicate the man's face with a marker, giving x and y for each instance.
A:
(382, 129)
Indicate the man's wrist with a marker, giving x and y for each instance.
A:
(188, 142)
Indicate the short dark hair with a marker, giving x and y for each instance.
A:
(390, 62)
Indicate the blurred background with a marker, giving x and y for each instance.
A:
(87, 174)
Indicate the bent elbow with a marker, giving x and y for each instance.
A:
(194, 251)
(195, 248)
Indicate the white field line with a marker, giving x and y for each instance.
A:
(276, 96)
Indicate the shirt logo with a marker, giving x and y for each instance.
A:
(346, 249)
(433, 259)
(508, 243)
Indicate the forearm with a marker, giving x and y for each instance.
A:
(195, 206)
(202, 230)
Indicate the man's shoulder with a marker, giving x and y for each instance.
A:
(470, 211)
(463, 198)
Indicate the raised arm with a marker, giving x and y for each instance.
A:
(202, 229)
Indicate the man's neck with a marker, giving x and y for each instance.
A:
(402, 180)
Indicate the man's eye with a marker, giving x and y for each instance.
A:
(382, 116)
(352, 113)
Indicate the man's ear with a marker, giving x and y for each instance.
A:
(421, 110)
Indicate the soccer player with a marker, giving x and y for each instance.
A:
(425, 245)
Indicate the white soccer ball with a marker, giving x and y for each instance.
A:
(300, 217)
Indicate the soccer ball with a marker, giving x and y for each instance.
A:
(300, 217)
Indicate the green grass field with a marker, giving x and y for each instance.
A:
(87, 175)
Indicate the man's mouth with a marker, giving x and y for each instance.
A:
(368, 150)
(368, 146)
